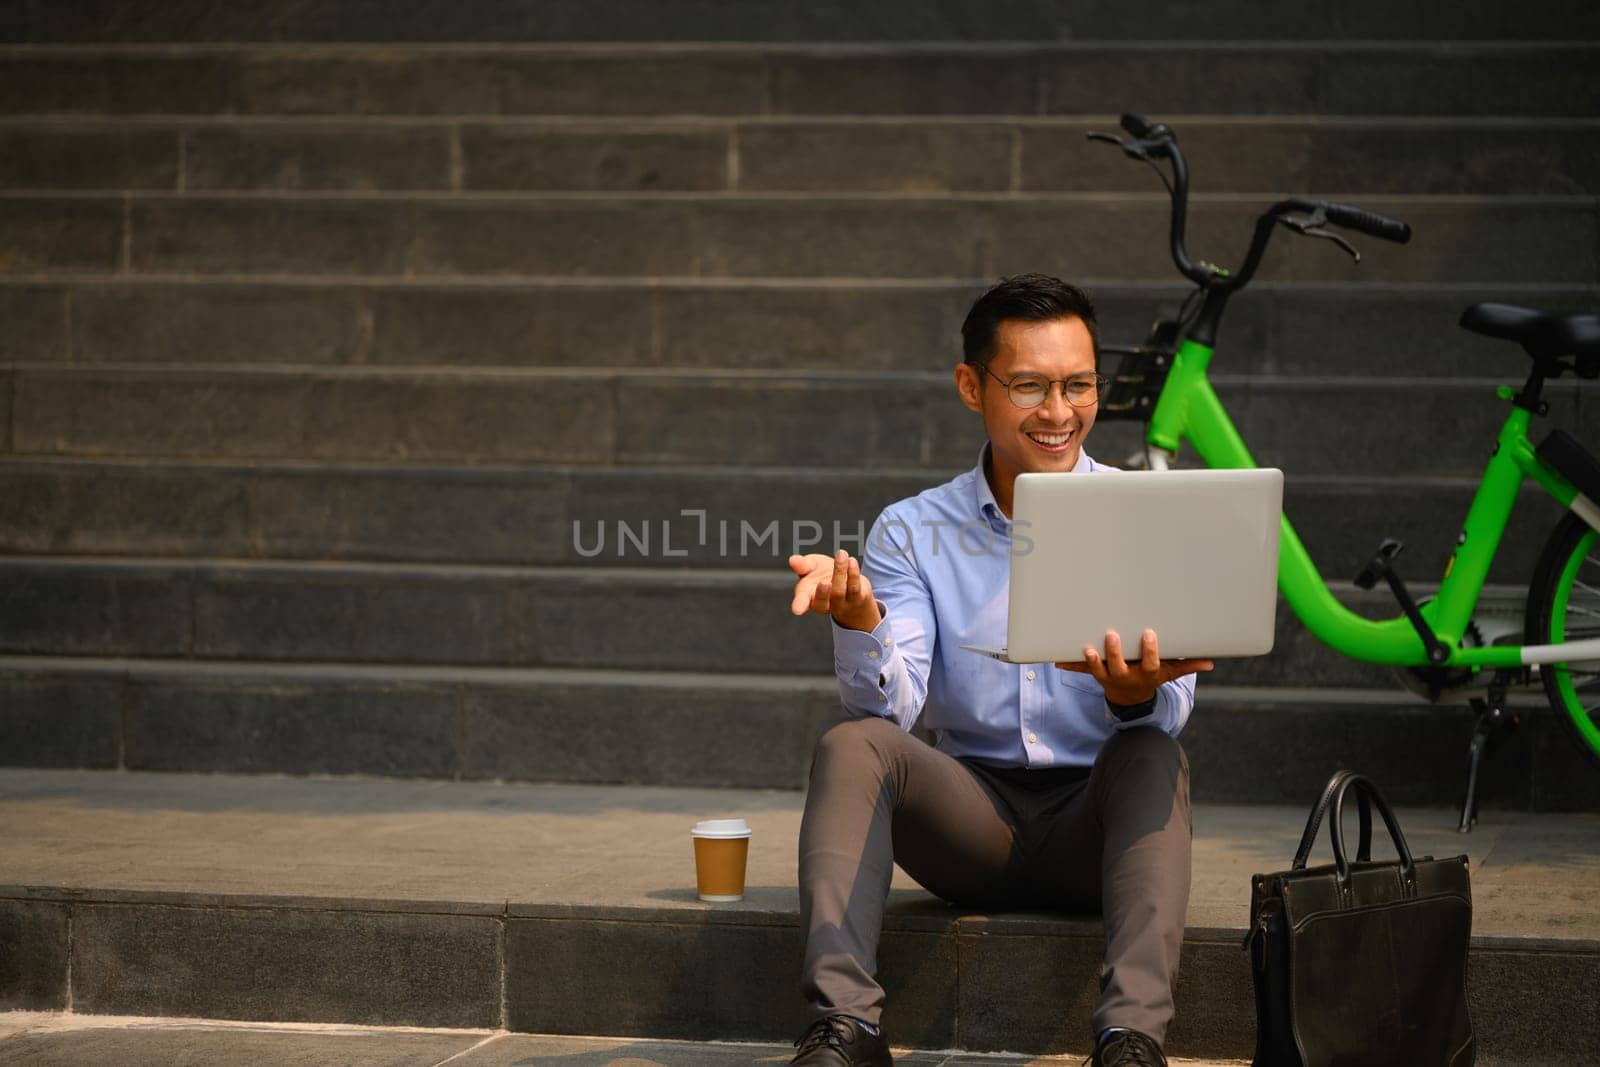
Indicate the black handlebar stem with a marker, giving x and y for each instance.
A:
(1258, 240)
(1180, 219)
(1152, 141)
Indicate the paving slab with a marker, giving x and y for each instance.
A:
(67, 1040)
(52, 1039)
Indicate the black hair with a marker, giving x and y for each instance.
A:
(1029, 298)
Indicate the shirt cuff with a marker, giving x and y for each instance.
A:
(861, 651)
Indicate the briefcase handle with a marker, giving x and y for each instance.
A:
(1314, 822)
(1365, 788)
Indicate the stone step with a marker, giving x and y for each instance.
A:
(1246, 745)
(1329, 157)
(856, 325)
(1411, 78)
(452, 905)
(1322, 425)
(779, 20)
(627, 516)
(642, 618)
(1122, 236)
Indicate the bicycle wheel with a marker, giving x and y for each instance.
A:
(1564, 605)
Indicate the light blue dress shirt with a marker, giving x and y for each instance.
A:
(940, 566)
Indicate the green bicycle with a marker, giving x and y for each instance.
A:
(1164, 382)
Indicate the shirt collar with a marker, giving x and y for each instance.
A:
(983, 495)
(988, 507)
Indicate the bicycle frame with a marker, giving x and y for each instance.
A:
(1189, 409)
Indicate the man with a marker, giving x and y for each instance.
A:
(1057, 788)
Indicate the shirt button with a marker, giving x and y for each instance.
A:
(887, 641)
(1033, 739)
(1031, 676)
(872, 655)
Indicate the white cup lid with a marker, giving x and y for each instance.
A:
(720, 828)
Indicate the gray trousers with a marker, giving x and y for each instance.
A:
(1113, 839)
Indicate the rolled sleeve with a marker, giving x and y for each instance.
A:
(871, 672)
(1170, 712)
(885, 672)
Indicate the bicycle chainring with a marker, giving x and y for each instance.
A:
(1458, 683)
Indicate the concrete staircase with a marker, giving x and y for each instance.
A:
(571, 909)
(378, 406)
(516, 356)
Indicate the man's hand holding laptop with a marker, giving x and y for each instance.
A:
(1132, 683)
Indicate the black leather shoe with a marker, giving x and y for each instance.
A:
(840, 1041)
(1127, 1048)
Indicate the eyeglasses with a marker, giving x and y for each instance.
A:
(1031, 390)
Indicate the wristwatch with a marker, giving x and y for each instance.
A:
(1129, 712)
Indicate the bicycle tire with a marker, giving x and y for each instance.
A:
(1564, 604)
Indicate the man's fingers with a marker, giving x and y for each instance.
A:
(1149, 657)
(1115, 664)
(852, 583)
(808, 564)
(813, 570)
(841, 576)
(810, 592)
(805, 592)
(822, 599)
(802, 595)
(1094, 664)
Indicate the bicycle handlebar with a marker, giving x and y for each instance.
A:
(1145, 130)
(1155, 140)
(1137, 125)
(1367, 222)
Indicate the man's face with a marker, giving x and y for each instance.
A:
(1050, 436)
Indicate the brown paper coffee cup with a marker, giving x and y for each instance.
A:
(721, 849)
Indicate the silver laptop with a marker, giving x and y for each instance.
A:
(1192, 554)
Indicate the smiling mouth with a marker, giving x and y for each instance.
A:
(1051, 440)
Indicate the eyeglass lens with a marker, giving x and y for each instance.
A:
(1030, 390)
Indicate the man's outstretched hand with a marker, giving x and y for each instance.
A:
(834, 585)
(1136, 682)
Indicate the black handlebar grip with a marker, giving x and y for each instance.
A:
(1137, 125)
(1367, 222)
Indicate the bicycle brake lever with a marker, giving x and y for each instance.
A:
(1338, 239)
(1314, 225)
(1130, 149)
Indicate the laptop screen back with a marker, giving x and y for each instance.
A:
(1192, 554)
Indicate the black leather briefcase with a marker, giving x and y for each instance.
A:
(1361, 964)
